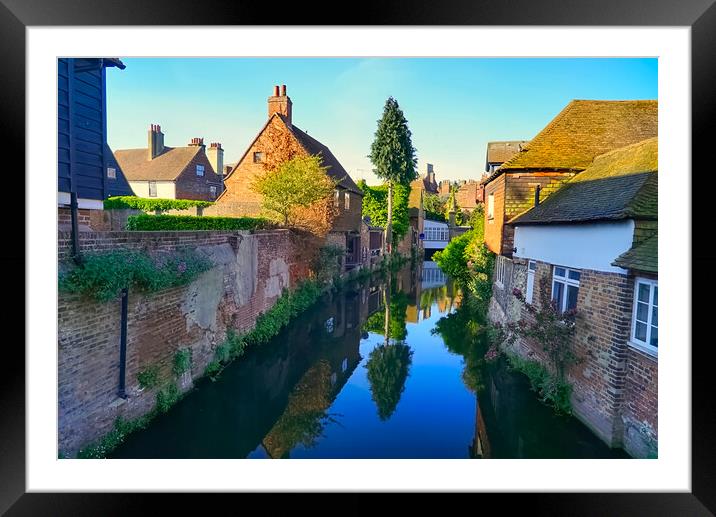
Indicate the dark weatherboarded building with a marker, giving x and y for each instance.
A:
(85, 163)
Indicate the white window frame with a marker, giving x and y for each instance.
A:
(644, 346)
(346, 201)
(490, 207)
(212, 190)
(567, 282)
(199, 169)
(258, 156)
(149, 188)
(112, 173)
(337, 198)
(529, 295)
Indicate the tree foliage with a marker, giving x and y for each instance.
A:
(375, 205)
(435, 207)
(388, 367)
(392, 152)
(393, 156)
(295, 190)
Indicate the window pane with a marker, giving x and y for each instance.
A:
(574, 275)
(642, 312)
(571, 297)
(530, 285)
(640, 331)
(557, 290)
(533, 266)
(654, 337)
(654, 316)
(559, 271)
(656, 295)
(644, 292)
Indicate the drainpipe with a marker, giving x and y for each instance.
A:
(123, 346)
(537, 191)
(76, 255)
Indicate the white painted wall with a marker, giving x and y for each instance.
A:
(165, 189)
(583, 246)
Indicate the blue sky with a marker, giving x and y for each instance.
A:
(454, 106)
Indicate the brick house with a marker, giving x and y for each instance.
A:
(469, 195)
(500, 152)
(85, 164)
(173, 172)
(583, 130)
(595, 242)
(278, 140)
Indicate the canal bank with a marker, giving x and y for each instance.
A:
(330, 386)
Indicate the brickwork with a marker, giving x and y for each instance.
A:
(190, 186)
(614, 385)
(249, 274)
(641, 404)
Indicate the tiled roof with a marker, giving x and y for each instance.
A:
(165, 167)
(641, 257)
(619, 184)
(583, 130)
(500, 152)
(313, 146)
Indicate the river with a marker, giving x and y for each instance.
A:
(331, 386)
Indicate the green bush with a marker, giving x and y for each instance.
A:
(103, 275)
(167, 397)
(550, 388)
(182, 361)
(122, 428)
(149, 377)
(159, 223)
(153, 204)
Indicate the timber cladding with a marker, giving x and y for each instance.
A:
(251, 270)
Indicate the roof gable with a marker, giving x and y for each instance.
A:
(312, 146)
(165, 167)
(585, 129)
(620, 184)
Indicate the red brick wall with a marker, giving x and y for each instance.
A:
(641, 404)
(247, 280)
(614, 386)
(191, 186)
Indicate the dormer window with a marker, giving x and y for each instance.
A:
(199, 170)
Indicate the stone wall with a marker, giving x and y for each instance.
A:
(250, 271)
(614, 385)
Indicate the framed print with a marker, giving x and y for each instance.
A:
(215, 315)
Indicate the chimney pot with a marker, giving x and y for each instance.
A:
(275, 91)
(283, 90)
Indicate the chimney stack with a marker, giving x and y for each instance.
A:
(280, 103)
(155, 140)
(215, 154)
(196, 142)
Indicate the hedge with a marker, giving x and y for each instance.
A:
(152, 205)
(146, 222)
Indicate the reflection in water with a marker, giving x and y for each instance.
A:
(388, 369)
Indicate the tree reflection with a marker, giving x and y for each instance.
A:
(388, 367)
(388, 364)
(464, 333)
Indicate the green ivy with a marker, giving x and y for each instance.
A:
(153, 204)
(103, 275)
(167, 397)
(161, 223)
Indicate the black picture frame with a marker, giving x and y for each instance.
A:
(699, 15)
